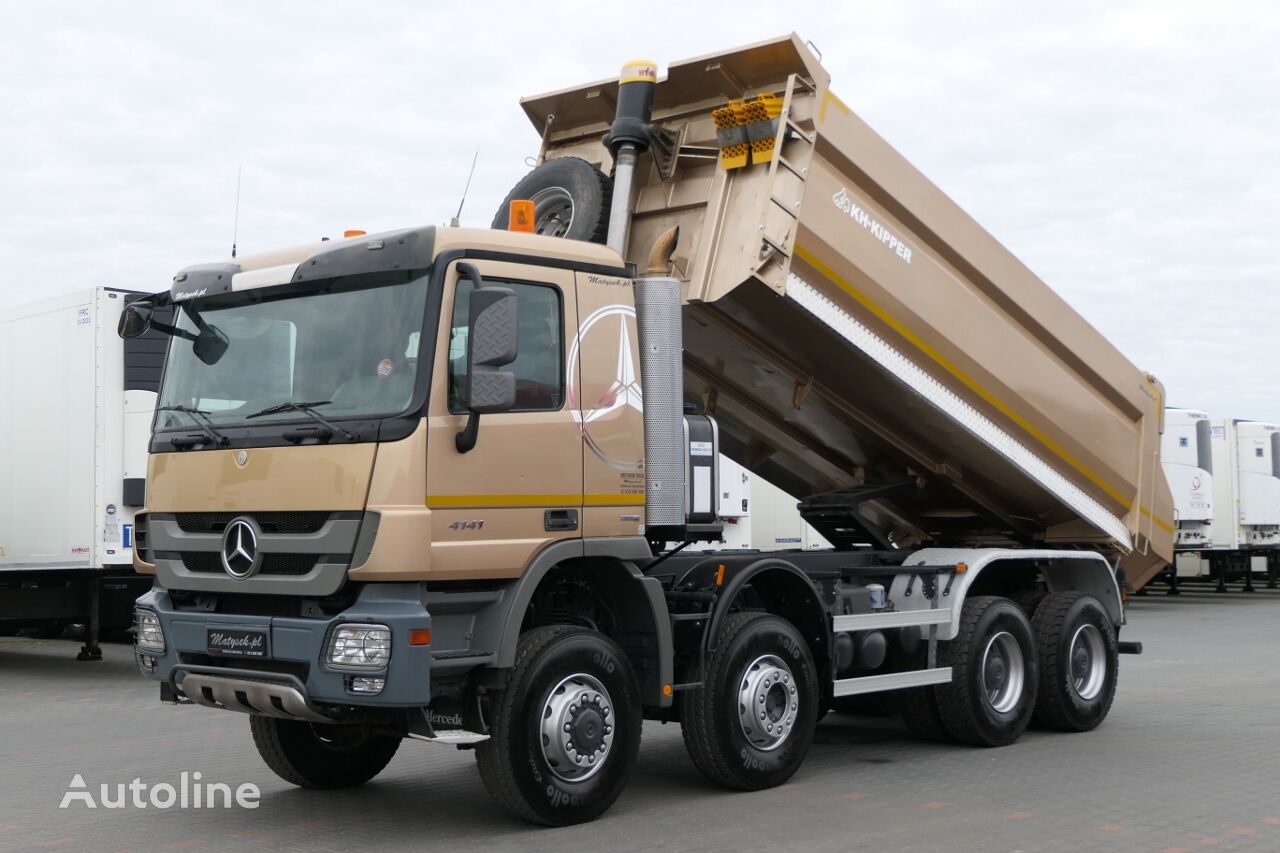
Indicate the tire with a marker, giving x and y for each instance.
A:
(994, 651)
(759, 647)
(565, 187)
(1028, 600)
(554, 665)
(321, 756)
(920, 714)
(1075, 692)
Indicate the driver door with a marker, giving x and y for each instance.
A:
(520, 488)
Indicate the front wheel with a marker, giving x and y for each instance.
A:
(315, 755)
(565, 730)
(1079, 661)
(751, 722)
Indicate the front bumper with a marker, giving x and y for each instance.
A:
(292, 679)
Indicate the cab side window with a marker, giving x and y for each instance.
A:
(539, 364)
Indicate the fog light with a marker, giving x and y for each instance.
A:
(149, 636)
(367, 685)
(360, 646)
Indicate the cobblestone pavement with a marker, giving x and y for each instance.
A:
(1188, 760)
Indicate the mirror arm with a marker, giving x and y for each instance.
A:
(173, 331)
(465, 440)
(472, 274)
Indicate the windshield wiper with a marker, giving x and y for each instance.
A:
(306, 409)
(201, 419)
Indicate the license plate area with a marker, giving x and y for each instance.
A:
(237, 642)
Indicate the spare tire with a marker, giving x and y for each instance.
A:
(570, 199)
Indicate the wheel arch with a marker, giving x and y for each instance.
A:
(778, 586)
(636, 601)
(999, 571)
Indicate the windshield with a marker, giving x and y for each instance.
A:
(348, 348)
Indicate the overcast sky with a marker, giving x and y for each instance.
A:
(1129, 153)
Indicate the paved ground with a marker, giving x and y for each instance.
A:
(1188, 760)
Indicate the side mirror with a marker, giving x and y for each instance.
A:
(493, 318)
(136, 319)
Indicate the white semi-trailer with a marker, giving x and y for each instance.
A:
(1187, 455)
(74, 426)
(1244, 534)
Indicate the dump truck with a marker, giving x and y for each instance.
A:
(420, 484)
(74, 430)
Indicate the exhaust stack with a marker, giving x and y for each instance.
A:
(658, 298)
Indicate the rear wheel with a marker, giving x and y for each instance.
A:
(313, 755)
(750, 725)
(565, 730)
(994, 674)
(1079, 662)
(570, 199)
(1029, 600)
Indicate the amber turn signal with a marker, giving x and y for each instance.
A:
(420, 636)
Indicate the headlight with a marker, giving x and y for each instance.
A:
(150, 636)
(361, 646)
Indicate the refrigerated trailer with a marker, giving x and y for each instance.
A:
(1186, 451)
(1244, 535)
(431, 489)
(75, 417)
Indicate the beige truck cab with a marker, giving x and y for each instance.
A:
(452, 485)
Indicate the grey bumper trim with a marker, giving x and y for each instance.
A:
(250, 696)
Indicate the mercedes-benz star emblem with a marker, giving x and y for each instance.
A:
(624, 392)
(240, 557)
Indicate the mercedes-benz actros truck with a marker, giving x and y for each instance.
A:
(420, 484)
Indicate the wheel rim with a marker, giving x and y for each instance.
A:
(577, 727)
(1088, 656)
(1003, 672)
(768, 704)
(552, 211)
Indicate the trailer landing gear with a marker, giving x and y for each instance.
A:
(91, 650)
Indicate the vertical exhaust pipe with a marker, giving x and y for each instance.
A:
(658, 300)
(628, 138)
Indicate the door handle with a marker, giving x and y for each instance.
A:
(561, 519)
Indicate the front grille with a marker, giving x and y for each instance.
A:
(270, 522)
(210, 562)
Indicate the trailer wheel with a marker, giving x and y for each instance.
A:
(565, 730)
(570, 199)
(750, 725)
(992, 693)
(1079, 662)
(321, 756)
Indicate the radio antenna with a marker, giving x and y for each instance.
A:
(455, 222)
(235, 229)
